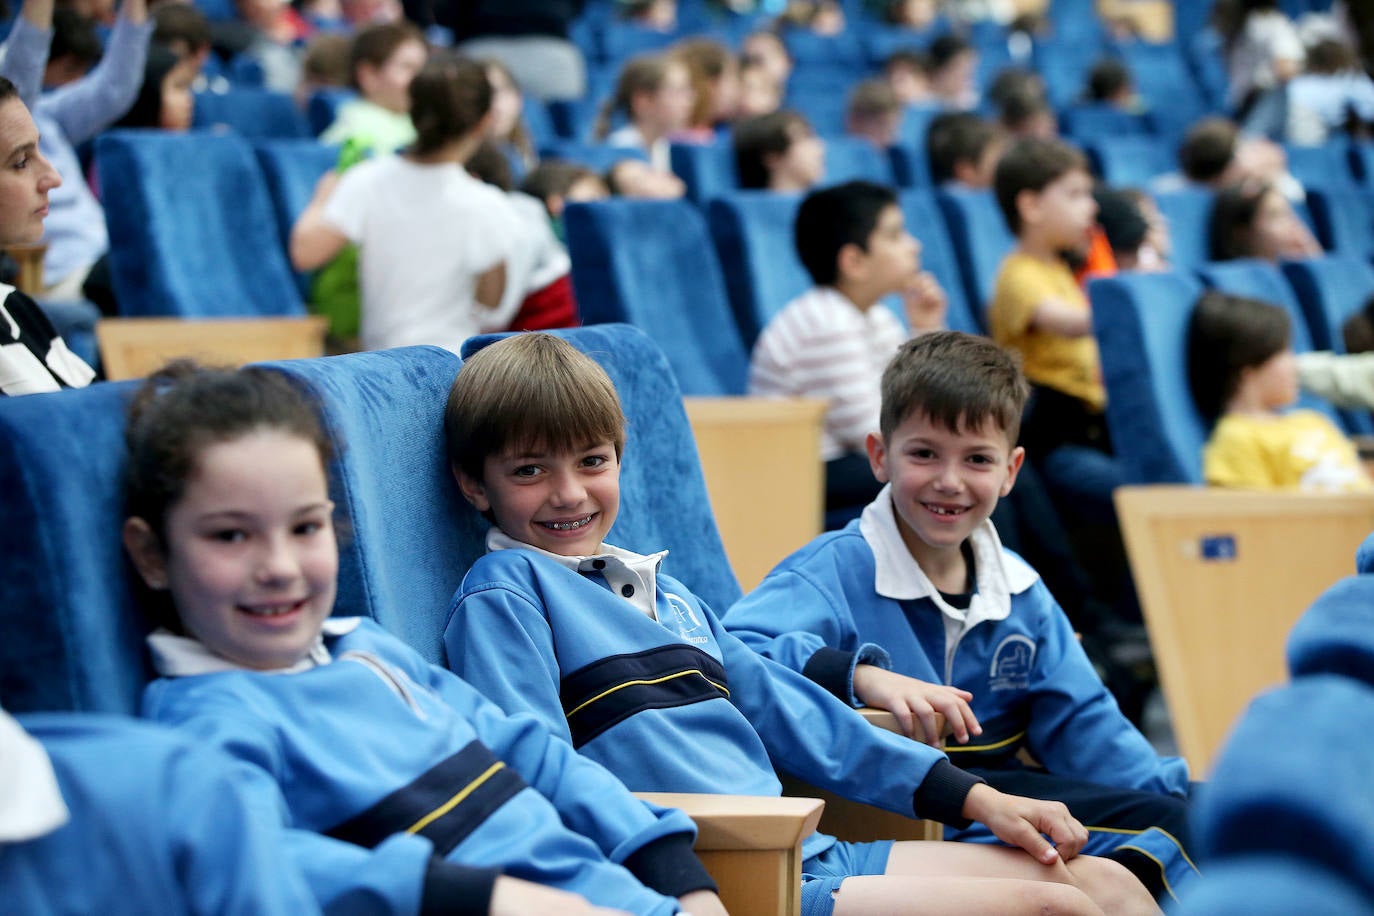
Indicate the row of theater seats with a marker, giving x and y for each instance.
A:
(1286, 822)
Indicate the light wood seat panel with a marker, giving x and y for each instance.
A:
(137, 347)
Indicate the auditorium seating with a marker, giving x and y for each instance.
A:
(981, 240)
(752, 231)
(292, 169)
(254, 113)
(1330, 289)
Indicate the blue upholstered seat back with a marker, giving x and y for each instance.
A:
(981, 240)
(663, 500)
(1187, 212)
(292, 168)
(855, 158)
(1270, 885)
(1330, 289)
(924, 220)
(70, 635)
(192, 230)
(650, 263)
(1364, 556)
(252, 112)
(708, 169)
(1129, 157)
(1141, 323)
(1336, 634)
(752, 231)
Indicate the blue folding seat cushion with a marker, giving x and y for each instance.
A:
(981, 240)
(70, 635)
(1336, 634)
(1330, 289)
(663, 499)
(253, 112)
(650, 263)
(192, 230)
(1271, 885)
(1188, 212)
(753, 235)
(1141, 324)
(1273, 792)
(708, 169)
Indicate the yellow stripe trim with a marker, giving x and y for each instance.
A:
(1173, 839)
(1163, 876)
(968, 748)
(657, 680)
(456, 800)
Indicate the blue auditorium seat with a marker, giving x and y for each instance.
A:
(1141, 324)
(323, 107)
(1129, 159)
(1166, 84)
(850, 158)
(663, 499)
(924, 220)
(1362, 160)
(1293, 781)
(1343, 219)
(1086, 123)
(1364, 556)
(622, 40)
(650, 263)
(708, 169)
(192, 230)
(1188, 212)
(823, 107)
(1336, 634)
(292, 169)
(1330, 289)
(254, 113)
(910, 164)
(981, 240)
(809, 49)
(538, 121)
(752, 232)
(594, 156)
(1325, 166)
(1271, 885)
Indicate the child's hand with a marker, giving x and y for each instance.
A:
(1025, 822)
(915, 704)
(925, 302)
(702, 903)
(514, 897)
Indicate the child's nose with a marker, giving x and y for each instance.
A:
(568, 490)
(949, 478)
(278, 562)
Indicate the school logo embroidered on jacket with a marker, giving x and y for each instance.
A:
(685, 620)
(1012, 663)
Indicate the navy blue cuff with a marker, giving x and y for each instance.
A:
(668, 865)
(833, 670)
(457, 890)
(940, 796)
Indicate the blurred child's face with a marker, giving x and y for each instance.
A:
(893, 257)
(767, 51)
(1278, 232)
(26, 179)
(802, 165)
(954, 81)
(560, 501)
(389, 84)
(1065, 211)
(1274, 381)
(669, 108)
(634, 178)
(250, 558)
(758, 94)
(506, 104)
(178, 102)
(944, 484)
(909, 84)
(725, 93)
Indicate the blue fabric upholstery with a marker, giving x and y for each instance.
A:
(752, 231)
(1343, 219)
(708, 169)
(1141, 323)
(1124, 158)
(650, 263)
(324, 106)
(1188, 212)
(1293, 781)
(1086, 122)
(70, 635)
(1336, 634)
(406, 536)
(823, 107)
(850, 158)
(1325, 166)
(1362, 160)
(1329, 290)
(1266, 885)
(292, 168)
(254, 113)
(809, 49)
(620, 40)
(663, 499)
(598, 158)
(924, 220)
(192, 231)
(1364, 556)
(981, 240)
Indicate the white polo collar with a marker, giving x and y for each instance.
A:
(31, 803)
(186, 656)
(632, 576)
(899, 577)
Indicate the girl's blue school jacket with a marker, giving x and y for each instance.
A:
(404, 785)
(675, 704)
(155, 825)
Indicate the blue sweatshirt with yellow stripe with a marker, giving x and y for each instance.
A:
(408, 791)
(672, 702)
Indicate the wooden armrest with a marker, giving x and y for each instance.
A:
(30, 261)
(881, 718)
(762, 461)
(751, 845)
(1222, 576)
(136, 347)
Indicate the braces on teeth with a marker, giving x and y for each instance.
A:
(568, 526)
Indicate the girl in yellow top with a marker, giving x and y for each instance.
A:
(1243, 373)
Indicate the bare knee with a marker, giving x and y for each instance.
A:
(1112, 887)
(1046, 898)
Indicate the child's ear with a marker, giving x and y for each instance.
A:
(1018, 458)
(1028, 206)
(145, 550)
(850, 261)
(473, 490)
(877, 456)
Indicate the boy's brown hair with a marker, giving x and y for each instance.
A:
(958, 381)
(374, 45)
(1207, 149)
(1032, 164)
(533, 392)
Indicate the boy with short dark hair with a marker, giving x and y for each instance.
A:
(873, 113)
(970, 629)
(833, 340)
(636, 672)
(383, 61)
(963, 149)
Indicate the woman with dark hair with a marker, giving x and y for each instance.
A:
(1253, 220)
